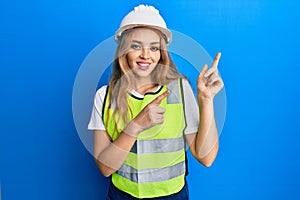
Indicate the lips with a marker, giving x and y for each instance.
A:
(143, 65)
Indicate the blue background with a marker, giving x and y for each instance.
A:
(43, 44)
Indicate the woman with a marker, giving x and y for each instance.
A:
(143, 118)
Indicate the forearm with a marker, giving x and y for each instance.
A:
(111, 156)
(209, 83)
(114, 155)
(206, 142)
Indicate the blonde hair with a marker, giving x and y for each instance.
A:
(122, 80)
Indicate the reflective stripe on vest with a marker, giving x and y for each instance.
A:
(158, 146)
(152, 174)
(155, 166)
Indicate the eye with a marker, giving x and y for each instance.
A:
(154, 48)
(136, 46)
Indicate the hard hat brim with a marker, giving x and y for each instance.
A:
(165, 31)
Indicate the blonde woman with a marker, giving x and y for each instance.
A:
(148, 112)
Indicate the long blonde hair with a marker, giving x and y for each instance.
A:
(122, 80)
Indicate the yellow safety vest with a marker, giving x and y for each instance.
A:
(155, 166)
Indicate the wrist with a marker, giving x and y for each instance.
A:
(205, 101)
(205, 96)
(133, 129)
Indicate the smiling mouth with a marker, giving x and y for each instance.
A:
(143, 65)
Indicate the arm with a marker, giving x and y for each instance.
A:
(110, 156)
(204, 144)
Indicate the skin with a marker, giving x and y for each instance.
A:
(109, 156)
(204, 144)
(144, 50)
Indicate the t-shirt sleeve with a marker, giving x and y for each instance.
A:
(96, 122)
(191, 108)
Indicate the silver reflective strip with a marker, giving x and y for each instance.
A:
(158, 146)
(152, 175)
(174, 97)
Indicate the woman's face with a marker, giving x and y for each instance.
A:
(144, 52)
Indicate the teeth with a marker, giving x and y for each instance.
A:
(144, 64)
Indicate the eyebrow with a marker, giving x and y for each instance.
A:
(140, 42)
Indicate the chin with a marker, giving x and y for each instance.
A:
(142, 74)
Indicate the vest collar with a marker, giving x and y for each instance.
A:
(137, 95)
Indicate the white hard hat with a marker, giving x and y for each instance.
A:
(144, 15)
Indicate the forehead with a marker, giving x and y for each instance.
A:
(145, 35)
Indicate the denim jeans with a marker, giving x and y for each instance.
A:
(116, 194)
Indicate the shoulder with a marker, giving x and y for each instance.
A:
(186, 85)
(187, 88)
(101, 92)
(185, 82)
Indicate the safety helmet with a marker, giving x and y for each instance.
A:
(144, 15)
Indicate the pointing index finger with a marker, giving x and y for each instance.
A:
(214, 66)
(216, 60)
(159, 99)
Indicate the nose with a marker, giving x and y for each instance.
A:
(145, 53)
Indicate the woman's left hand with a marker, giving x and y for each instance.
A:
(209, 82)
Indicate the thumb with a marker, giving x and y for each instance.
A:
(203, 71)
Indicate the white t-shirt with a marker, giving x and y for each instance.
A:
(191, 108)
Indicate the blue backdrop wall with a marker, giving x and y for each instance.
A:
(43, 44)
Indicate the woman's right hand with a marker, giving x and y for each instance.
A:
(150, 116)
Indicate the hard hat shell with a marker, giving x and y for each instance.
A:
(144, 15)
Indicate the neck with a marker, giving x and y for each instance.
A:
(145, 86)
